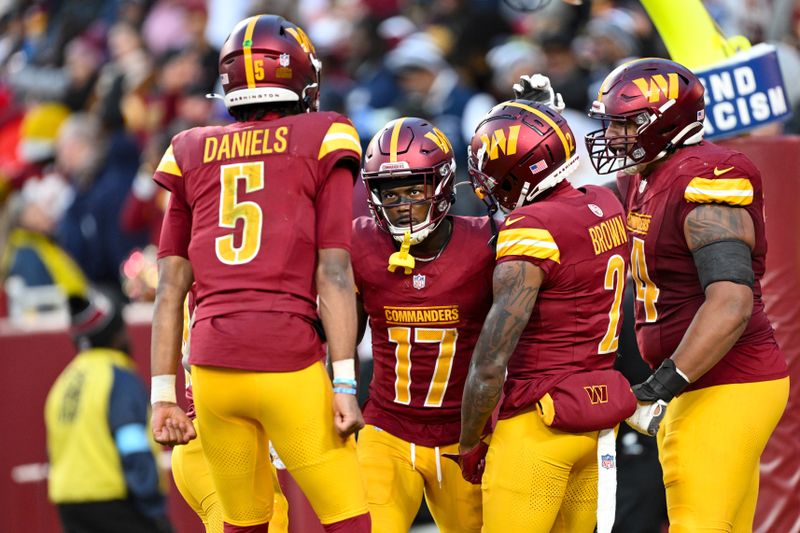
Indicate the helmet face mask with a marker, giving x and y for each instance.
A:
(405, 153)
(613, 152)
(519, 151)
(267, 59)
(661, 105)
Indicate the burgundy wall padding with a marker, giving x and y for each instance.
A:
(778, 158)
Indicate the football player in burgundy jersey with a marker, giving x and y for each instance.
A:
(425, 309)
(259, 220)
(695, 219)
(550, 338)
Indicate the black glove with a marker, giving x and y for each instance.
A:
(664, 384)
(653, 396)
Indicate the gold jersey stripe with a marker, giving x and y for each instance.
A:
(549, 122)
(339, 137)
(532, 242)
(731, 191)
(168, 164)
(248, 54)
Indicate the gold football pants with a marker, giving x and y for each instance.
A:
(709, 444)
(193, 479)
(240, 411)
(538, 479)
(398, 473)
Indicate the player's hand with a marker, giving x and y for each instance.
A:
(346, 414)
(647, 417)
(472, 462)
(170, 424)
(537, 88)
(653, 396)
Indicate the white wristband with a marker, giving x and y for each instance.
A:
(344, 369)
(162, 389)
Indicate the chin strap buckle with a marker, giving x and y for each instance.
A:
(402, 258)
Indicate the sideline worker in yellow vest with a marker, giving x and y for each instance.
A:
(103, 470)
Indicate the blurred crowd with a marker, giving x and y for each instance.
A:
(91, 91)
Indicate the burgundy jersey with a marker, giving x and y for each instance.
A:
(577, 237)
(257, 192)
(668, 290)
(424, 328)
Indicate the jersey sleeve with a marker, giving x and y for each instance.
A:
(730, 183)
(334, 210)
(176, 229)
(525, 238)
(340, 146)
(168, 173)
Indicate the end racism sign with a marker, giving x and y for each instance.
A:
(743, 93)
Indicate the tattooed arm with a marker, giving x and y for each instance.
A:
(516, 285)
(724, 315)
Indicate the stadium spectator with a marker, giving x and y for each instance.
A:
(31, 254)
(146, 203)
(33, 214)
(696, 224)
(432, 89)
(255, 353)
(101, 169)
(104, 473)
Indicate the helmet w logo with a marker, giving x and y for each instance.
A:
(440, 140)
(301, 37)
(499, 143)
(597, 393)
(656, 86)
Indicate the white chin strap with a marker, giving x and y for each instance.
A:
(678, 140)
(417, 236)
(526, 195)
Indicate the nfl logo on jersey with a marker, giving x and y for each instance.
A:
(419, 281)
(607, 461)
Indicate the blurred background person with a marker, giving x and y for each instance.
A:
(101, 168)
(104, 473)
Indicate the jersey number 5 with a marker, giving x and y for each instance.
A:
(231, 211)
(446, 339)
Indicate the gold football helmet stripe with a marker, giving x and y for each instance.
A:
(247, 49)
(549, 122)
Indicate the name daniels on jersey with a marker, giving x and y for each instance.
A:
(441, 314)
(245, 143)
(608, 234)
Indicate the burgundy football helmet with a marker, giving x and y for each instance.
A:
(406, 151)
(659, 102)
(266, 59)
(521, 149)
